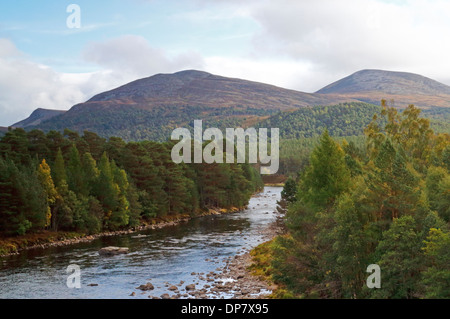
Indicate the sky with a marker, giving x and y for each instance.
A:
(46, 62)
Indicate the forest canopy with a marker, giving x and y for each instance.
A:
(88, 184)
(387, 203)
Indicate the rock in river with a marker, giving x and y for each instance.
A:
(111, 251)
(190, 287)
(147, 286)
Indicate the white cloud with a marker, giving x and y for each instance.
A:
(301, 45)
(282, 73)
(341, 37)
(130, 57)
(25, 85)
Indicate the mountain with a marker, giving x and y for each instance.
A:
(150, 108)
(402, 87)
(199, 88)
(37, 117)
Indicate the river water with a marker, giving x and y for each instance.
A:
(163, 257)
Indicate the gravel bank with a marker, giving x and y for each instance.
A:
(232, 280)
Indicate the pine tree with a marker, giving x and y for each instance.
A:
(401, 260)
(350, 247)
(109, 194)
(95, 144)
(289, 190)
(392, 184)
(141, 167)
(436, 278)
(75, 172)
(59, 170)
(327, 176)
(15, 145)
(38, 144)
(90, 174)
(52, 195)
(135, 206)
(13, 219)
(120, 216)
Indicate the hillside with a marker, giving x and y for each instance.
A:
(346, 119)
(341, 120)
(37, 117)
(152, 107)
(404, 88)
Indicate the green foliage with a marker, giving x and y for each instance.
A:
(289, 190)
(327, 175)
(92, 184)
(386, 203)
(347, 119)
(349, 248)
(139, 124)
(436, 278)
(23, 204)
(401, 260)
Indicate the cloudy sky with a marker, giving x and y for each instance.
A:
(302, 45)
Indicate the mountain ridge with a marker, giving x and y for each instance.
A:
(38, 116)
(403, 88)
(390, 82)
(151, 107)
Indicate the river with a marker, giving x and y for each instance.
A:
(164, 257)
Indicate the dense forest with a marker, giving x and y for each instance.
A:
(300, 130)
(386, 203)
(88, 184)
(295, 153)
(345, 119)
(135, 124)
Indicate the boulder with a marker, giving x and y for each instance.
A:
(190, 287)
(111, 251)
(147, 286)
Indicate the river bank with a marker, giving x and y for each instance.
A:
(244, 284)
(46, 239)
(205, 257)
(234, 279)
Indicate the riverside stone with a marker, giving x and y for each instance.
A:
(147, 286)
(190, 287)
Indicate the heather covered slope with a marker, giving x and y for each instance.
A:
(404, 88)
(150, 108)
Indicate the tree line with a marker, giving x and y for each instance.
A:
(88, 184)
(301, 129)
(387, 203)
(341, 120)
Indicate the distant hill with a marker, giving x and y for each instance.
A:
(152, 107)
(199, 88)
(37, 117)
(404, 88)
